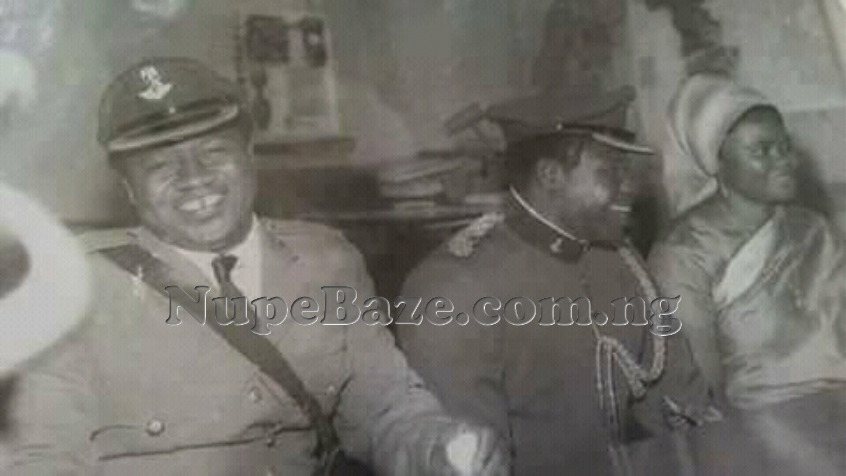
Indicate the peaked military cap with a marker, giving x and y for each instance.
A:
(162, 100)
(598, 115)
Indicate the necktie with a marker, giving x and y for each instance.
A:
(222, 266)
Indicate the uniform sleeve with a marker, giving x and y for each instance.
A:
(386, 415)
(681, 397)
(48, 414)
(461, 364)
(390, 417)
(678, 273)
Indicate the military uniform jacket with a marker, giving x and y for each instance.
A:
(538, 384)
(127, 393)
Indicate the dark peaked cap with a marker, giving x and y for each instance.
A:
(163, 100)
(598, 115)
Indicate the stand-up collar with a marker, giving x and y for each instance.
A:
(541, 232)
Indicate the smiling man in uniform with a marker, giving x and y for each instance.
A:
(560, 235)
(129, 393)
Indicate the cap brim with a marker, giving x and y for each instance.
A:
(224, 114)
(620, 144)
(619, 139)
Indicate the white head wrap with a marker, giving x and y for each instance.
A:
(699, 117)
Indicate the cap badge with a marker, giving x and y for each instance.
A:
(156, 89)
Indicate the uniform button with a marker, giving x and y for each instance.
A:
(270, 471)
(555, 246)
(254, 395)
(331, 390)
(797, 298)
(155, 427)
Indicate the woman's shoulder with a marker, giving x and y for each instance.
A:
(692, 244)
(692, 228)
(801, 217)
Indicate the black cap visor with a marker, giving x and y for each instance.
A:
(172, 127)
(619, 139)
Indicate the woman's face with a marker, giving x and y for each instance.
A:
(757, 159)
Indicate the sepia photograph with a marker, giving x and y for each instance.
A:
(423, 237)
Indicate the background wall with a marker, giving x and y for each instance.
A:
(792, 51)
(403, 66)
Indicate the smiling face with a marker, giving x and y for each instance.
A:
(596, 181)
(594, 187)
(196, 194)
(757, 159)
(584, 192)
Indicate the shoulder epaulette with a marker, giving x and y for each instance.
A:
(93, 241)
(131, 257)
(288, 232)
(275, 228)
(297, 227)
(463, 244)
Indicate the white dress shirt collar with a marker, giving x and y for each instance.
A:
(247, 271)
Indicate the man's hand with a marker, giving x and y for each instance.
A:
(469, 450)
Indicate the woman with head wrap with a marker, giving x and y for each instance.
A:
(761, 279)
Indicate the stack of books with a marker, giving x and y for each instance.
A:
(425, 182)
